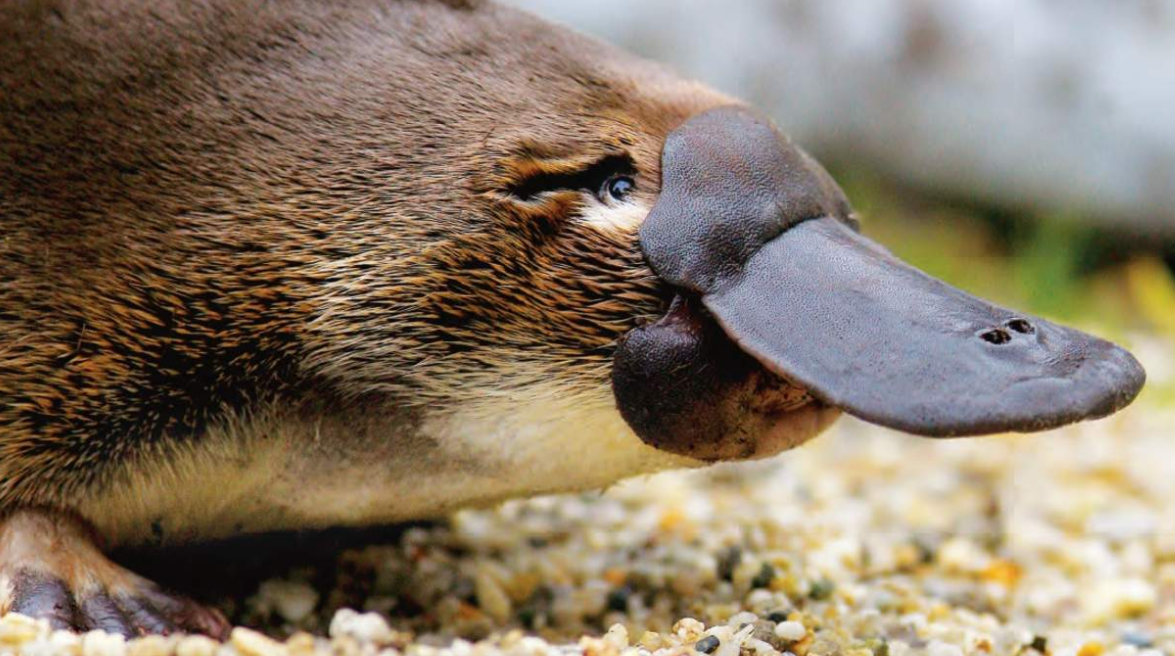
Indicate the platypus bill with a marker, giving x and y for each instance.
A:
(272, 266)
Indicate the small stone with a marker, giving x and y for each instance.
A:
(595, 647)
(618, 599)
(1040, 644)
(688, 629)
(617, 636)
(778, 616)
(651, 640)
(300, 643)
(1119, 598)
(734, 644)
(1140, 640)
(792, 631)
(251, 643)
(821, 590)
(152, 645)
(364, 627)
(960, 555)
(728, 559)
(17, 629)
(708, 644)
(938, 648)
(65, 642)
(741, 619)
(765, 576)
(759, 647)
(101, 643)
(292, 600)
(761, 600)
(491, 598)
(765, 631)
(196, 645)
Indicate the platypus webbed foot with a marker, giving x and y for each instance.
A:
(51, 568)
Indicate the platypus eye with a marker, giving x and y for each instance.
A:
(617, 188)
(610, 179)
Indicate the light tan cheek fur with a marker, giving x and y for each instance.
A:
(621, 217)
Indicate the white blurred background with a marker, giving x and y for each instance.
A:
(1058, 106)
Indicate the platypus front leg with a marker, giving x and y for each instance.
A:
(50, 567)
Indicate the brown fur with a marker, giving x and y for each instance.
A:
(208, 208)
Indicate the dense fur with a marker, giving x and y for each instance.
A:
(212, 209)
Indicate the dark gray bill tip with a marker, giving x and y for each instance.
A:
(833, 312)
(758, 230)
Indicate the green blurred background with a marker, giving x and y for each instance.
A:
(1058, 265)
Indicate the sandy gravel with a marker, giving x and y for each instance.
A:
(864, 543)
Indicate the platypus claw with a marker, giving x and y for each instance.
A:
(51, 569)
(145, 611)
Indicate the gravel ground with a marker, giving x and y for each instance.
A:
(863, 543)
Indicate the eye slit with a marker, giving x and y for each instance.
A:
(594, 179)
(617, 188)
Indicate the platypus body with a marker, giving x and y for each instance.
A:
(294, 265)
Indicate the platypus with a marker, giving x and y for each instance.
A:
(284, 266)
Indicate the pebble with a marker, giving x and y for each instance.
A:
(617, 636)
(1119, 598)
(65, 642)
(728, 559)
(738, 620)
(304, 643)
(937, 648)
(708, 644)
(364, 627)
(861, 544)
(196, 645)
(294, 601)
(821, 590)
(251, 643)
(152, 645)
(16, 629)
(688, 629)
(618, 599)
(765, 576)
(491, 597)
(100, 643)
(793, 631)
(1140, 640)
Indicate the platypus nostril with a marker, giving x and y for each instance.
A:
(996, 336)
(1022, 326)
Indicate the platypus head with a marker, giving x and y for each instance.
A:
(556, 240)
(774, 282)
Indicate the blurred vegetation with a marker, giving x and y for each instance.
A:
(1055, 266)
